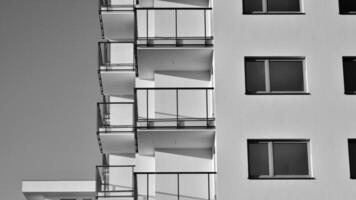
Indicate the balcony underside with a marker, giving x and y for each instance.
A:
(173, 59)
(151, 139)
(118, 143)
(118, 25)
(118, 83)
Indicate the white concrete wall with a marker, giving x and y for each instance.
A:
(326, 117)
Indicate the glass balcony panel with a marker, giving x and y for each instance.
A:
(114, 181)
(159, 109)
(115, 117)
(142, 23)
(165, 105)
(175, 185)
(164, 23)
(116, 56)
(193, 187)
(192, 104)
(166, 187)
(190, 23)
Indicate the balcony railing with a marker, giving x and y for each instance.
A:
(114, 181)
(116, 56)
(175, 107)
(115, 117)
(114, 5)
(174, 26)
(174, 185)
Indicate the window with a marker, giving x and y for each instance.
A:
(347, 6)
(274, 75)
(352, 158)
(271, 6)
(349, 64)
(278, 159)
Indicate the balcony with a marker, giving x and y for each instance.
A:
(117, 19)
(174, 118)
(116, 67)
(179, 27)
(115, 182)
(175, 185)
(115, 127)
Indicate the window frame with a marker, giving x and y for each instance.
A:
(343, 74)
(267, 75)
(266, 12)
(348, 151)
(341, 12)
(270, 143)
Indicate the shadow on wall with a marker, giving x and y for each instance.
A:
(193, 75)
(200, 3)
(198, 153)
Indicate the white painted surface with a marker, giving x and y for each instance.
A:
(58, 186)
(326, 117)
(56, 190)
(173, 59)
(148, 140)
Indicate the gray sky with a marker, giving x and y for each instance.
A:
(48, 91)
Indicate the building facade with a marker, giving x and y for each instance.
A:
(284, 110)
(236, 99)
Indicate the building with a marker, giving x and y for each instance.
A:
(279, 125)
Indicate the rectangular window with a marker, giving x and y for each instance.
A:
(349, 64)
(271, 6)
(352, 158)
(278, 159)
(274, 75)
(347, 6)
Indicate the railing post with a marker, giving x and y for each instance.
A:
(207, 107)
(176, 26)
(148, 187)
(135, 186)
(178, 192)
(177, 107)
(205, 27)
(208, 186)
(147, 107)
(147, 27)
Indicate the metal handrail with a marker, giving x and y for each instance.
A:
(178, 183)
(209, 99)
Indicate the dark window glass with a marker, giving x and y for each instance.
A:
(349, 75)
(286, 75)
(347, 6)
(352, 157)
(252, 6)
(258, 159)
(283, 5)
(255, 76)
(290, 159)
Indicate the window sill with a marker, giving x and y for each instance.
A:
(279, 93)
(281, 178)
(350, 93)
(348, 13)
(274, 13)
